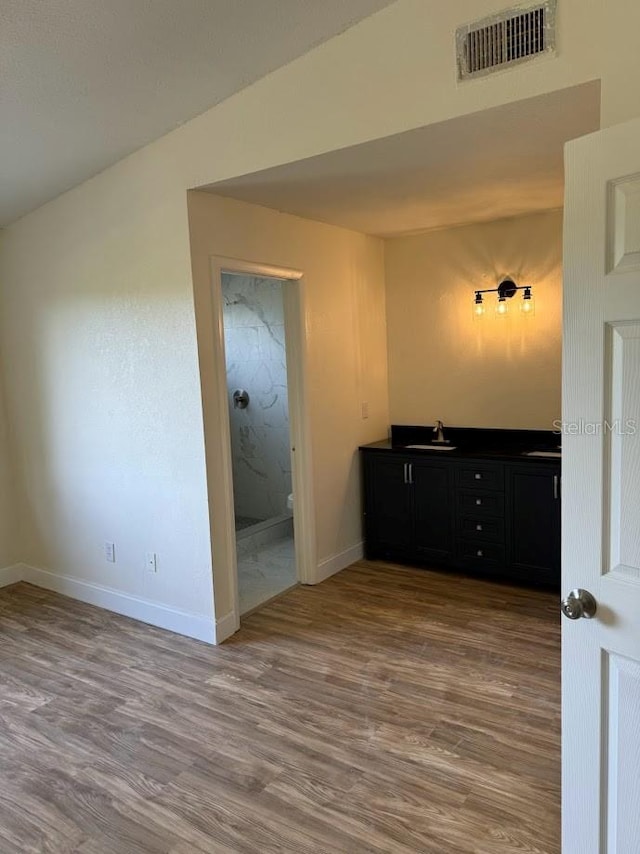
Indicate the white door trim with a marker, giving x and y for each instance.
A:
(224, 541)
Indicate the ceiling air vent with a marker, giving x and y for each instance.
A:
(510, 37)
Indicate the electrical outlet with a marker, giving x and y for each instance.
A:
(110, 552)
(365, 410)
(151, 562)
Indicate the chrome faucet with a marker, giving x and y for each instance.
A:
(439, 431)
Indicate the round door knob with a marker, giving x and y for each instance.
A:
(579, 603)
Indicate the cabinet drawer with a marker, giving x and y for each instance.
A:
(483, 530)
(472, 551)
(478, 503)
(479, 476)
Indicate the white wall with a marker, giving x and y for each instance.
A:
(97, 325)
(490, 372)
(343, 296)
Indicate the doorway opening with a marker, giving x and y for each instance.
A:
(222, 493)
(255, 344)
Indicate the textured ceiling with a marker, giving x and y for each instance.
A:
(496, 163)
(85, 82)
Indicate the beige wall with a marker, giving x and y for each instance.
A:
(103, 392)
(392, 72)
(8, 498)
(620, 62)
(346, 354)
(97, 325)
(491, 372)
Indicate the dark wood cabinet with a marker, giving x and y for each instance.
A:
(534, 516)
(408, 507)
(483, 516)
(480, 524)
(432, 516)
(388, 512)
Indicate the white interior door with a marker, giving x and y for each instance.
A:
(601, 493)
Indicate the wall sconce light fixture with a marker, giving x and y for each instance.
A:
(505, 291)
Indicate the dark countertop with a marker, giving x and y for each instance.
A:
(472, 443)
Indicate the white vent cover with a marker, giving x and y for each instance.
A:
(502, 40)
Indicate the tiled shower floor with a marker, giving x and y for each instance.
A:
(265, 571)
(243, 522)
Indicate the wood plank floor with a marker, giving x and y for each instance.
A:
(386, 710)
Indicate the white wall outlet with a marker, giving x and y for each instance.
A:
(110, 552)
(151, 562)
(365, 410)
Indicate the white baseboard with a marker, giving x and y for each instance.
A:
(226, 626)
(329, 566)
(182, 622)
(10, 575)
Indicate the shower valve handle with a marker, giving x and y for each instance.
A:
(240, 398)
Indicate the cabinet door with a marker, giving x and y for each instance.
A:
(387, 503)
(432, 510)
(534, 497)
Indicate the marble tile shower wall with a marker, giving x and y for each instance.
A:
(256, 362)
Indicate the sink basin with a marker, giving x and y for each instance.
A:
(431, 447)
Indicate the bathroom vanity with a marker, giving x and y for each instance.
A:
(483, 501)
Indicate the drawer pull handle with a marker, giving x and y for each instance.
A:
(478, 527)
(478, 476)
(480, 553)
(478, 500)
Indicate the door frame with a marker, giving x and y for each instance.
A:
(293, 292)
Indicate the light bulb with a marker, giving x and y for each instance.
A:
(478, 306)
(502, 308)
(528, 306)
